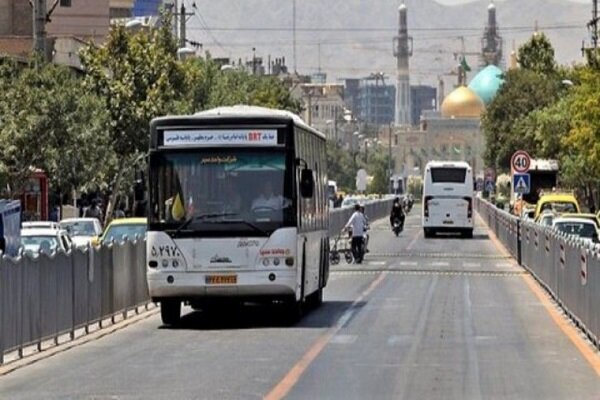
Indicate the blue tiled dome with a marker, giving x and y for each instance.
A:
(486, 83)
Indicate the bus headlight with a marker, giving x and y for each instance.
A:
(165, 263)
(175, 263)
(265, 262)
(289, 261)
(276, 262)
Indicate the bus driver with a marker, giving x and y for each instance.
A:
(268, 200)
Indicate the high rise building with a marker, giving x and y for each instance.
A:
(422, 98)
(375, 102)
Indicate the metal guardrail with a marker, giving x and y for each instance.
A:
(46, 297)
(374, 210)
(566, 266)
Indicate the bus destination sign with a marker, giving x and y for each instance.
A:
(221, 137)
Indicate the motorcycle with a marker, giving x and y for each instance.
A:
(397, 227)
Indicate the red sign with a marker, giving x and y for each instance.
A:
(520, 162)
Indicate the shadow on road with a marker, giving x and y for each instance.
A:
(253, 316)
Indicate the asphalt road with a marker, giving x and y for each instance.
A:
(443, 318)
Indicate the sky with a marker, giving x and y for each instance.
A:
(359, 39)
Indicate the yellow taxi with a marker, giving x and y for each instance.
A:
(122, 228)
(559, 203)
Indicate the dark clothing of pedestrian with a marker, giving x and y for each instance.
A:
(357, 248)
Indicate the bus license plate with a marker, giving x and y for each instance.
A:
(221, 279)
(448, 222)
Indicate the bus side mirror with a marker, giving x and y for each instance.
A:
(307, 183)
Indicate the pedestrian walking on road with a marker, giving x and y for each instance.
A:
(358, 223)
(93, 211)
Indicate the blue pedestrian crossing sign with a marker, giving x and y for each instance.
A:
(521, 183)
(490, 187)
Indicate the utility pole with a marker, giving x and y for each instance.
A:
(294, 32)
(39, 27)
(182, 25)
(592, 26)
(390, 174)
(41, 16)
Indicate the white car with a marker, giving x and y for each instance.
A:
(583, 228)
(36, 240)
(39, 225)
(351, 201)
(546, 219)
(82, 230)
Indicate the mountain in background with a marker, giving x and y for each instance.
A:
(365, 43)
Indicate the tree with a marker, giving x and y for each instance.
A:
(50, 122)
(537, 55)
(580, 161)
(340, 165)
(377, 167)
(505, 124)
(138, 77)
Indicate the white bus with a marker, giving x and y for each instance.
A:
(237, 210)
(448, 198)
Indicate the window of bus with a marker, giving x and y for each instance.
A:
(448, 175)
(213, 189)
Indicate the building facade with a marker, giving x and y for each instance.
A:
(84, 19)
(376, 102)
(423, 98)
(324, 107)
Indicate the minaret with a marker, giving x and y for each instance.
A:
(402, 52)
(491, 43)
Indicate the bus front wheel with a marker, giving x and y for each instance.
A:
(170, 311)
(314, 300)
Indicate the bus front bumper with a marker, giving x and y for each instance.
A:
(190, 285)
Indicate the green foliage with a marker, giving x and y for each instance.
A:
(50, 122)
(414, 186)
(377, 167)
(138, 77)
(506, 123)
(341, 167)
(537, 55)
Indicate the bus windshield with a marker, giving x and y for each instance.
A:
(219, 190)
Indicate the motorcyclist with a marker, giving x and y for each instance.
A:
(397, 213)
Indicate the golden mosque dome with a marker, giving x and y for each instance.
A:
(462, 102)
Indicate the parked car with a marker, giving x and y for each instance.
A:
(546, 218)
(583, 228)
(82, 230)
(35, 240)
(40, 225)
(350, 201)
(559, 203)
(124, 228)
(591, 217)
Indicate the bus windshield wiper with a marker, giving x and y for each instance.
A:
(200, 217)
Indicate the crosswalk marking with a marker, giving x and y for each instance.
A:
(439, 264)
(471, 265)
(343, 339)
(409, 263)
